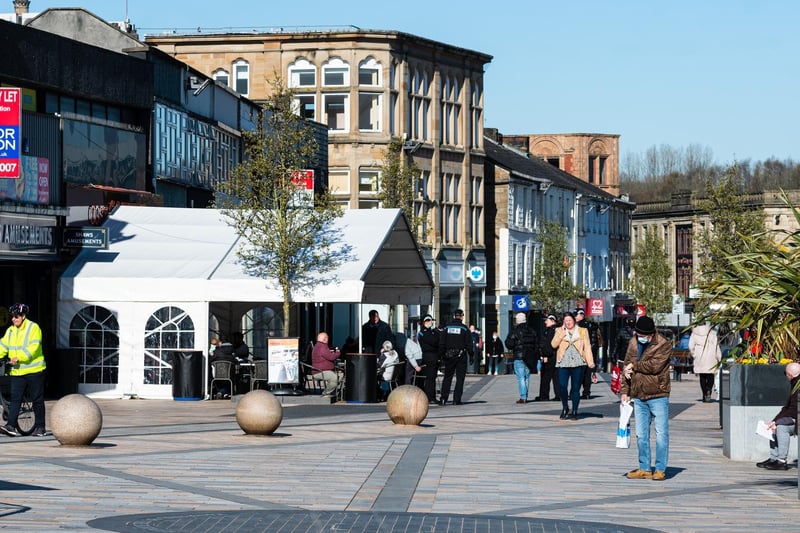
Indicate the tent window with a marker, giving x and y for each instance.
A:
(169, 328)
(94, 331)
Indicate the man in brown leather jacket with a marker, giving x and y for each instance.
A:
(646, 373)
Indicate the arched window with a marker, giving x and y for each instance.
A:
(241, 77)
(302, 74)
(369, 73)
(335, 73)
(94, 331)
(222, 77)
(169, 328)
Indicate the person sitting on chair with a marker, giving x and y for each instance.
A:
(223, 352)
(386, 366)
(322, 359)
(784, 425)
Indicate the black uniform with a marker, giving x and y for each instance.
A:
(429, 343)
(455, 347)
(549, 367)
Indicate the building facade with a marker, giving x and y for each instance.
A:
(592, 157)
(368, 87)
(528, 191)
(678, 220)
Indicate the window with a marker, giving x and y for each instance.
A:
(369, 73)
(597, 169)
(422, 203)
(369, 112)
(339, 181)
(451, 111)
(241, 73)
(94, 331)
(419, 105)
(476, 209)
(222, 77)
(451, 208)
(368, 181)
(477, 115)
(302, 74)
(305, 106)
(335, 73)
(336, 111)
(169, 328)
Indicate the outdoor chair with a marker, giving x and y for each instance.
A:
(313, 384)
(223, 371)
(259, 374)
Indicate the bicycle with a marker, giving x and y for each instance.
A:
(26, 419)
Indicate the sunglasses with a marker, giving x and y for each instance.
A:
(16, 315)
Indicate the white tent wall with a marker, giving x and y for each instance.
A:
(132, 319)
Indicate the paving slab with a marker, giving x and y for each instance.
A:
(488, 465)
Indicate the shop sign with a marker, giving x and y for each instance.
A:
(96, 238)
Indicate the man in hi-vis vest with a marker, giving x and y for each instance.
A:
(22, 344)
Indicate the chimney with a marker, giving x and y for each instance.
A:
(21, 8)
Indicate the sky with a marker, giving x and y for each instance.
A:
(718, 74)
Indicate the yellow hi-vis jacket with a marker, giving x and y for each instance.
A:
(25, 344)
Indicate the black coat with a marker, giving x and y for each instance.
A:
(523, 340)
(429, 343)
(494, 347)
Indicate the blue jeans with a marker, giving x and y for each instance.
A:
(523, 378)
(492, 364)
(658, 410)
(573, 376)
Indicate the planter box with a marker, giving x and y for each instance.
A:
(751, 393)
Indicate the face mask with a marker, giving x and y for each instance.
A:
(642, 340)
(494, 337)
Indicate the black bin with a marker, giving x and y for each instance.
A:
(187, 375)
(361, 381)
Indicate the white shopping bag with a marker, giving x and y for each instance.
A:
(624, 427)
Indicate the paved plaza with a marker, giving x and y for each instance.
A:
(489, 465)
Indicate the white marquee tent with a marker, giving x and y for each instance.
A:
(186, 259)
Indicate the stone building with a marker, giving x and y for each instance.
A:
(592, 157)
(678, 219)
(368, 87)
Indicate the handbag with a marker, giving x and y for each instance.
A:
(616, 379)
(624, 426)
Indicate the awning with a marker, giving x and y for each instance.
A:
(160, 254)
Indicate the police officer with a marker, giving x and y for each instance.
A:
(428, 337)
(455, 347)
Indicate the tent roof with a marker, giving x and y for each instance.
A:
(179, 254)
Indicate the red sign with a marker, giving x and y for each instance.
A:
(10, 140)
(596, 306)
(304, 179)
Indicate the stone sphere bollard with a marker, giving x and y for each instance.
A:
(75, 420)
(407, 405)
(259, 413)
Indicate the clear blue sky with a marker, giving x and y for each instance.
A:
(724, 74)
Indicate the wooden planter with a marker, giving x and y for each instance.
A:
(751, 393)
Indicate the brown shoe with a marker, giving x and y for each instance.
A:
(639, 474)
(658, 475)
(520, 401)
